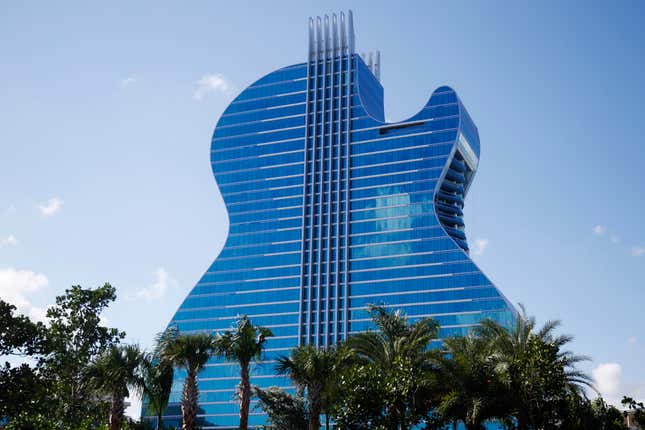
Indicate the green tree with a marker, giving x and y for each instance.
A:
(157, 383)
(314, 370)
(582, 414)
(472, 394)
(538, 375)
(75, 338)
(19, 336)
(362, 397)
(285, 411)
(190, 352)
(113, 373)
(398, 354)
(242, 345)
(22, 386)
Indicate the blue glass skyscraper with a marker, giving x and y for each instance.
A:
(331, 209)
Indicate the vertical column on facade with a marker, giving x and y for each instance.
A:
(312, 188)
(304, 250)
(330, 39)
(320, 134)
(348, 111)
(338, 55)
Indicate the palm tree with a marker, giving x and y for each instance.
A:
(471, 392)
(533, 367)
(157, 383)
(397, 346)
(190, 352)
(112, 373)
(395, 337)
(314, 370)
(243, 344)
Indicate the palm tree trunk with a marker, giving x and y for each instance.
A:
(245, 395)
(159, 424)
(189, 401)
(315, 403)
(116, 412)
(327, 427)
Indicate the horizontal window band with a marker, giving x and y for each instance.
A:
(253, 157)
(273, 178)
(267, 189)
(401, 305)
(251, 316)
(228, 115)
(410, 254)
(258, 255)
(251, 269)
(273, 230)
(245, 305)
(272, 96)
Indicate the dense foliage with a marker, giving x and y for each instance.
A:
(285, 411)
(74, 373)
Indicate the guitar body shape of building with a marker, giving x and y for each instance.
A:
(332, 209)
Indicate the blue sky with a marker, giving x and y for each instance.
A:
(107, 110)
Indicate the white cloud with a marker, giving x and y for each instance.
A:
(606, 377)
(159, 288)
(8, 241)
(126, 82)
(638, 251)
(632, 340)
(215, 83)
(614, 238)
(16, 285)
(599, 230)
(479, 246)
(52, 206)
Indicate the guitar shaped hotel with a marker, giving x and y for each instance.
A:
(331, 209)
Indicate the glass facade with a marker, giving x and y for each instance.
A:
(331, 209)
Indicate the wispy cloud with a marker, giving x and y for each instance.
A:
(17, 285)
(638, 251)
(52, 206)
(479, 246)
(130, 80)
(8, 241)
(10, 210)
(599, 230)
(603, 231)
(163, 282)
(215, 83)
(632, 340)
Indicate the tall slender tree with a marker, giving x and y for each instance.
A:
(157, 383)
(314, 370)
(114, 373)
(190, 352)
(243, 344)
